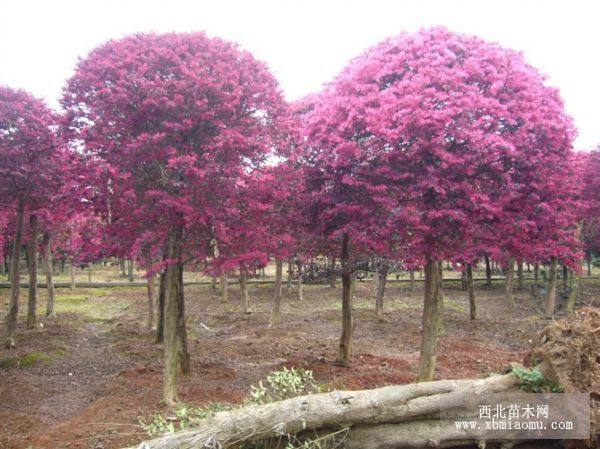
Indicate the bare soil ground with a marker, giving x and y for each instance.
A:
(82, 379)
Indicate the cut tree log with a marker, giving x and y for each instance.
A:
(388, 417)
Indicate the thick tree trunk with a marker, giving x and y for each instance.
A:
(375, 283)
(463, 280)
(300, 286)
(381, 275)
(32, 254)
(551, 296)
(565, 277)
(510, 275)
(150, 292)
(430, 323)
(160, 306)
(224, 283)
(73, 268)
(184, 354)
(488, 271)
(589, 265)
(49, 275)
(345, 350)
(122, 266)
(520, 275)
(244, 290)
(275, 311)
(15, 278)
(171, 328)
(390, 417)
(471, 291)
(536, 272)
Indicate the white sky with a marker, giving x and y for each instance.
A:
(306, 43)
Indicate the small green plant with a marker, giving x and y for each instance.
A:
(533, 380)
(283, 384)
(183, 417)
(33, 357)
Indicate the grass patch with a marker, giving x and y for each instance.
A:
(33, 357)
(92, 308)
(9, 362)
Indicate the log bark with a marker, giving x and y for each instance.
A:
(345, 348)
(401, 415)
(32, 256)
(15, 277)
(430, 323)
(551, 296)
(49, 275)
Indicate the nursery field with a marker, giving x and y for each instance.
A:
(84, 378)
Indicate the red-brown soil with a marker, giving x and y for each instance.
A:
(100, 373)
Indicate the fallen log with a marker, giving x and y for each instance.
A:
(389, 417)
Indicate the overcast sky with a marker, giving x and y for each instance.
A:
(307, 42)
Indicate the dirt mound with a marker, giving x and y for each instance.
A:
(569, 352)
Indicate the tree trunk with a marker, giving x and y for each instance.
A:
(290, 276)
(332, 274)
(49, 275)
(430, 323)
(463, 280)
(488, 271)
(574, 294)
(171, 333)
(510, 274)
(399, 416)
(122, 266)
(130, 270)
(345, 350)
(275, 311)
(381, 275)
(589, 265)
(565, 277)
(411, 274)
(551, 296)
(160, 306)
(73, 268)
(244, 290)
(440, 296)
(471, 291)
(32, 254)
(15, 279)
(536, 272)
(300, 287)
(150, 291)
(184, 354)
(224, 282)
(375, 283)
(520, 275)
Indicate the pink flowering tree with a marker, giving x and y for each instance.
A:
(180, 117)
(29, 167)
(455, 123)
